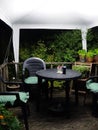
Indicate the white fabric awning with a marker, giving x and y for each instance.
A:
(68, 13)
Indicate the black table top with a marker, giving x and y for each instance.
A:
(53, 75)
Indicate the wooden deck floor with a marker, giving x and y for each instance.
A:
(80, 119)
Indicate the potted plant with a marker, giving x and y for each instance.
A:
(90, 56)
(96, 55)
(82, 55)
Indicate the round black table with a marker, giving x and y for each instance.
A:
(51, 75)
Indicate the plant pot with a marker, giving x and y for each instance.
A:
(82, 58)
(89, 59)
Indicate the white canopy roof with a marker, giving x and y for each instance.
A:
(56, 14)
(65, 13)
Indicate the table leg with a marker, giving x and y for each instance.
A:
(76, 92)
(46, 89)
(39, 94)
(67, 105)
(51, 90)
(67, 90)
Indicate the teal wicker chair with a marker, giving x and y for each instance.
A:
(30, 80)
(92, 86)
(16, 98)
(30, 66)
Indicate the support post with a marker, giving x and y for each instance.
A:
(16, 46)
(84, 40)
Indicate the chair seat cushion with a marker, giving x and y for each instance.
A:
(93, 86)
(88, 83)
(32, 80)
(24, 96)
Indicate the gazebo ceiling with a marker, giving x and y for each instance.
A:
(67, 13)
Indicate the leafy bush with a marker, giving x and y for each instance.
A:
(62, 48)
(82, 69)
(8, 121)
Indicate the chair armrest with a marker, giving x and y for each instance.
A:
(93, 77)
(12, 96)
(10, 82)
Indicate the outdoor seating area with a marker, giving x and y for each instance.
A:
(64, 110)
(48, 65)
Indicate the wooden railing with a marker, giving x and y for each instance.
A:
(12, 69)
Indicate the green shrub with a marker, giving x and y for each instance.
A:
(8, 121)
(82, 69)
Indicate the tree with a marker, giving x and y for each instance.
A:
(61, 46)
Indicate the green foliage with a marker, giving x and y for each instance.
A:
(90, 54)
(65, 45)
(96, 51)
(82, 69)
(62, 48)
(39, 50)
(92, 38)
(70, 55)
(8, 120)
(82, 52)
(24, 54)
(57, 84)
(90, 35)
